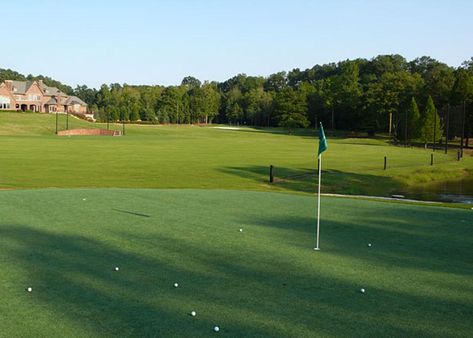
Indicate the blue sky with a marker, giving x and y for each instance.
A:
(162, 41)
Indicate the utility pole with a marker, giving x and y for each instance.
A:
(463, 129)
(122, 118)
(396, 135)
(405, 129)
(333, 121)
(177, 112)
(390, 123)
(53, 99)
(435, 128)
(447, 125)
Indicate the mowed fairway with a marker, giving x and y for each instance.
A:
(32, 156)
(263, 281)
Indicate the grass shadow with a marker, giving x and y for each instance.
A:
(305, 180)
(74, 276)
(400, 235)
(265, 281)
(310, 133)
(131, 213)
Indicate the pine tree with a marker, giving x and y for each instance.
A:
(429, 119)
(413, 121)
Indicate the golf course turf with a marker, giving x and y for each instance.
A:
(263, 281)
(209, 158)
(192, 205)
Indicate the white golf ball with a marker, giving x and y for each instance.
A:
(29, 289)
(369, 244)
(193, 313)
(176, 285)
(362, 290)
(216, 328)
(117, 268)
(241, 230)
(84, 199)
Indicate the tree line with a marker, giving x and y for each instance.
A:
(387, 92)
(8, 74)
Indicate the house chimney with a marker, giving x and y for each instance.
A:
(9, 84)
(40, 82)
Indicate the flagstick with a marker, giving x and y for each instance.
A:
(318, 203)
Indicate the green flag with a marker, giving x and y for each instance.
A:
(322, 140)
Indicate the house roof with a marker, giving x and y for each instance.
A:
(67, 101)
(51, 90)
(20, 87)
(52, 101)
(75, 100)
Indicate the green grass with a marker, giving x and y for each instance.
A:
(198, 157)
(34, 124)
(265, 281)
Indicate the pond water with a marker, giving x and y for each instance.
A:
(460, 191)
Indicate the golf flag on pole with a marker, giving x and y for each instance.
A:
(322, 147)
(322, 140)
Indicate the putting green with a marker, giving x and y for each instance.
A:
(263, 281)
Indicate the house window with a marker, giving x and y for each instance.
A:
(32, 97)
(4, 102)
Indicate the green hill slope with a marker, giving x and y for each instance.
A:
(33, 124)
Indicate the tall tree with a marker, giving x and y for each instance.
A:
(170, 106)
(413, 118)
(430, 123)
(233, 107)
(386, 97)
(190, 81)
(204, 103)
(462, 95)
(88, 95)
(346, 93)
(414, 121)
(8, 74)
(438, 77)
(290, 109)
(276, 82)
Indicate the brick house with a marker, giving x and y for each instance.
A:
(36, 96)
